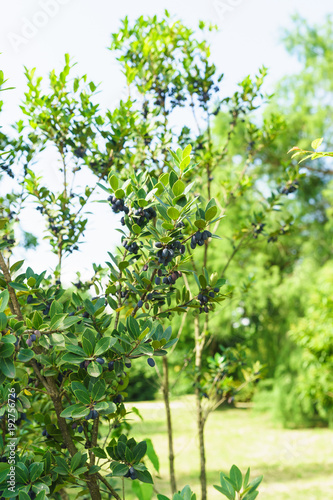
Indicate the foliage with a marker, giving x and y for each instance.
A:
(186, 213)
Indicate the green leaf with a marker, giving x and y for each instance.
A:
(31, 281)
(6, 350)
(253, 485)
(4, 299)
(178, 188)
(236, 477)
(76, 460)
(210, 213)
(36, 470)
(80, 411)
(133, 327)
(187, 151)
(200, 223)
(21, 473)
(173, 213)
(316, 143)
(94, 369)
(42, 494)
(99, 452)
(120, 193)
(250, 496)
(246, 478)
(151, 454)
(67, 412)
(175, 157)
(72, 358)
(37, 320)
(19, 286)
(25, 355)
(23, 495)
(111, 408)
(144, 476)
(98, 390)
(136, 229)
(203, 281)
(103, 405)
(7, 367)
(8, 339)
(184, 163)
(119, 469)
(16, 266)
(113, 181)
(88, 342)
(75, 349)
(103, 345)
(82, 396)
(139, 451)
(226, 488)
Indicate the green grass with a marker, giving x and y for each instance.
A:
(296, 464)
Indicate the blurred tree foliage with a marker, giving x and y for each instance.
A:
(286, 315)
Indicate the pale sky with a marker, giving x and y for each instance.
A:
(38, 33)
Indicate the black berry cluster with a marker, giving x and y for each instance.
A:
(118, 205)
(9, 241)
(257, 229)
(6, 168)
(131, 473)
(290, 187)
(204, 296)
(92, 415)
(166, 253)
(33, 337)
(143, 215)
(171, 278)
(131, 247)
(199, 238)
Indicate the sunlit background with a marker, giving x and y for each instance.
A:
(38, 33)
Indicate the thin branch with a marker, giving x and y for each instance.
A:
(109, 487)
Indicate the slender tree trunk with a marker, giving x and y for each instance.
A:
(199, 344)
(165, 385)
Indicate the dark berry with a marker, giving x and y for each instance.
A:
(216, 290)
(111, 365)
(29, 299)
(128, 365)
(140, 303)
(132, 473)
(89, 416)
(94, 414)
(101, 361)
(151, 362)
(157, 281)
(33, 337)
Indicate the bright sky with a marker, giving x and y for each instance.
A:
(38, 33)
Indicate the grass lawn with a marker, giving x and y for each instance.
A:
(296, 464)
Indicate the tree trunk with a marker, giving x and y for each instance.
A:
(165, 385)
(201, 430)
(92, 483)
(199, 344)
